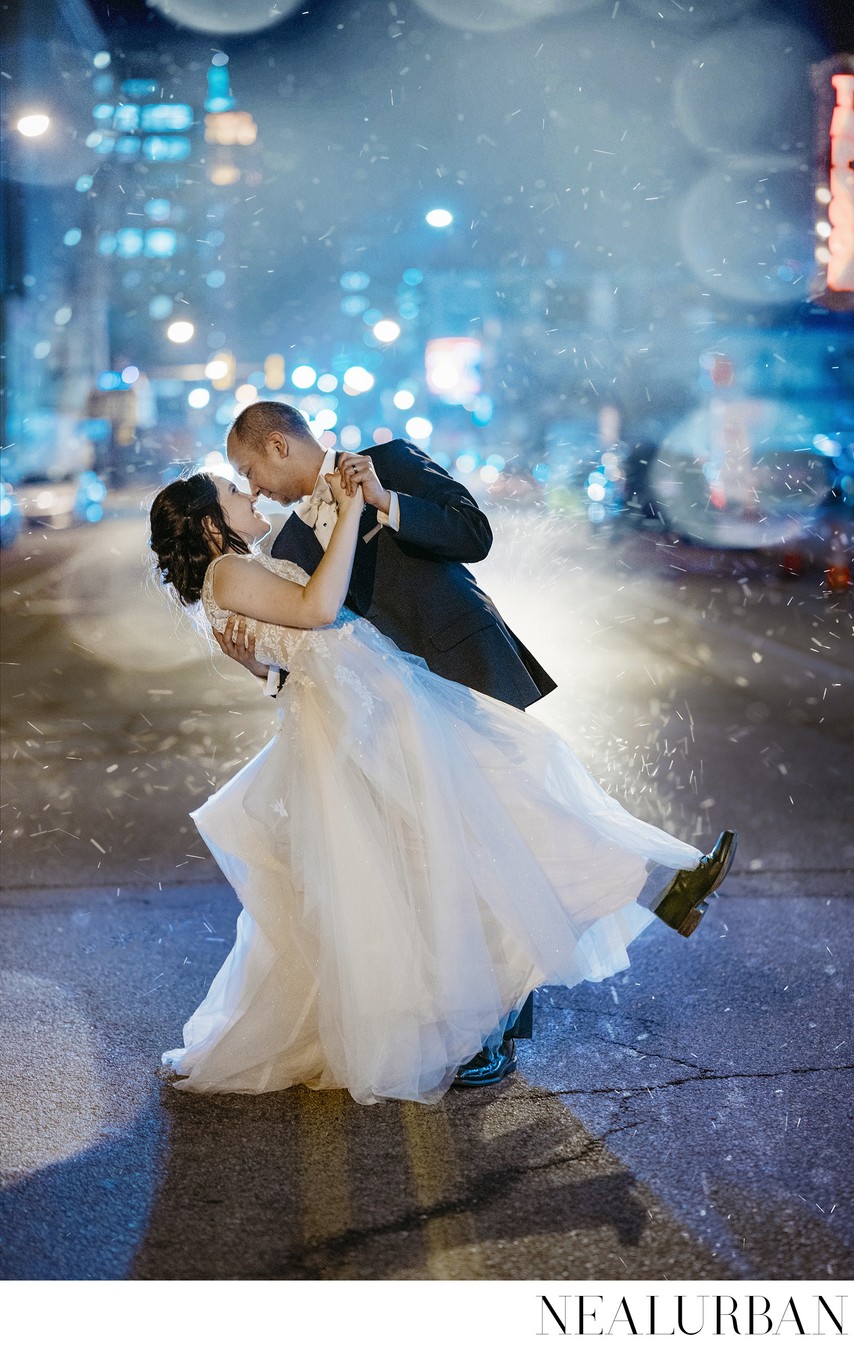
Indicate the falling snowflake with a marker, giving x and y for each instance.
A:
(279, 808)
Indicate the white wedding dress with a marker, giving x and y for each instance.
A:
(412, 859)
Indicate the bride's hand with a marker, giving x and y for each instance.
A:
(342, 499)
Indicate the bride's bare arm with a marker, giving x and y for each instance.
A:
(243, 585)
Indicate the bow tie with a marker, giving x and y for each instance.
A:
(322, 495)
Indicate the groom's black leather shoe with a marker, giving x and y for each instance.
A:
(681, 904)
(489, 1066)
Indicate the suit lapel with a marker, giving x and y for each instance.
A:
(297, 542)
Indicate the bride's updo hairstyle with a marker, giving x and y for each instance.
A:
(188, 528)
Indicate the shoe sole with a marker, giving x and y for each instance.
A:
(695, 915)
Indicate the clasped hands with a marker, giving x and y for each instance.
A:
(354, 484)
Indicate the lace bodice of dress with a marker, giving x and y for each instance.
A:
(274, 645)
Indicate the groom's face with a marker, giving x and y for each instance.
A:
(271, 468)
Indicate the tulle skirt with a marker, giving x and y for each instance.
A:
(412, 859)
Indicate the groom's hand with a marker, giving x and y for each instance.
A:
(239, 645)
(357, 470)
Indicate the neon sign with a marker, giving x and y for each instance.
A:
(840, 210)
(835, 190)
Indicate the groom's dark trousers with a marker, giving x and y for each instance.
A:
(413, 585)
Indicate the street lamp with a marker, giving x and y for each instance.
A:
(33, 124)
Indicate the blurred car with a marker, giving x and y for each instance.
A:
(11, 518)
(77, 498)
(749, 473)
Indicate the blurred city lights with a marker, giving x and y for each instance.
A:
(351, 437)
(327, 382)
(246, 393)
(452, 368)
(386, 330)
(325, 419)
(439, 218)
(160, 242)
(489, 474)
(216, 369)
(101, 60)
(180, 331)
(358, 380)
(403, 399)
(129, 243)
(466, 463)
(62, 316)
(412, 276)
(213, 16)
(160, 306)
(274, 371)
(33, 124)
(444, 377)
(130, 374)
(419, 428)
(355, 280)
(198, 397)
(158, 210)
(224, 174)
(230, 128)
(71, 237)
(304, 376)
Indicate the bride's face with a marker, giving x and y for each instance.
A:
(240, 514)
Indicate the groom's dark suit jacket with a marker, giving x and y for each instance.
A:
(413, 586)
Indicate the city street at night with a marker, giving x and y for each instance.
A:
(682, 1119)
(493, 361)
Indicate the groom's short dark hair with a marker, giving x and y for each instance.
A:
(257, 420)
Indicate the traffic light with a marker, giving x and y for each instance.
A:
(274, 371)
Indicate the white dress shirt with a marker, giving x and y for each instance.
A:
(320, 512)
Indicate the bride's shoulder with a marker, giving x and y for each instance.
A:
(230, 570)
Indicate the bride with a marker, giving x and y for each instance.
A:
(412, 857)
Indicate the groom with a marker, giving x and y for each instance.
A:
(418, 529)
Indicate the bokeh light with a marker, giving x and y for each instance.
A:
(351, 437)
(358, 380)
(748, 233)
(180, 331)
(419, 428)
(386, 330)
(226, 16)
(744, 91)
(439, 218)
(303, 376)
(33, 124)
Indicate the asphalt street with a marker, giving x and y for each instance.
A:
(686, 1119)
